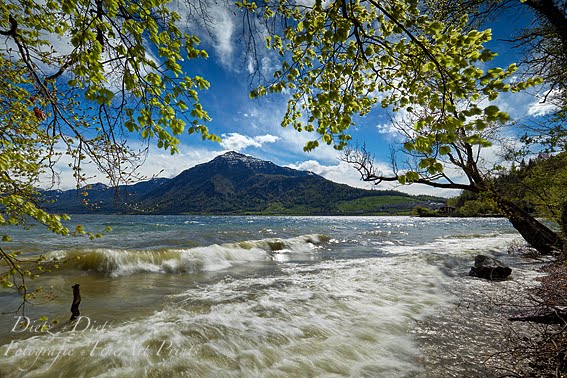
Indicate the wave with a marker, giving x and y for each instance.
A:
(310, 320)
(494, 234)
(458, 245)
(120, 262)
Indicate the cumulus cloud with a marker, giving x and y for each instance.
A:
(541, 107)
(238, 142)
(344, 173)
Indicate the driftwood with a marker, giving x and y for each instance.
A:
(76, 301)
(549, 317)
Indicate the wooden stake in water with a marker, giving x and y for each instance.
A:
(76, 301)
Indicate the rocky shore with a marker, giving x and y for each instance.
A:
(478, 336)
(547, 352)
(538, 348)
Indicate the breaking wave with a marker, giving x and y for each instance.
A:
(119, 262)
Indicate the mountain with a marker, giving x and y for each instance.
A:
(234, 183)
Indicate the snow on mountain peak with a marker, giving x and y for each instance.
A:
(233, 157)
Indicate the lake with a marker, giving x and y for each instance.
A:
(246, 296)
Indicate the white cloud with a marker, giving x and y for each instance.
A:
(544, 106)
(418, 189)
(344, 173)
(223, 30)
(238, 142)
(266, 116)
(267, 138)
(214, 23)
(541, 109)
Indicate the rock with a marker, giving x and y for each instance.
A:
(489, 268)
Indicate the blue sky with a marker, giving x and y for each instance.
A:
(253, 127)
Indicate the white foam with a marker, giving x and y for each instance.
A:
(343, 317)
(120, 262)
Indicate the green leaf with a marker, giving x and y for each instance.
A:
(444, 150)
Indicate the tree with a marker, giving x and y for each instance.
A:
(544, 46)
(81, 77)
(468, 204)
(543, 41)
(343, 58)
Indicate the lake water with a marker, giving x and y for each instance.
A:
(245, 296)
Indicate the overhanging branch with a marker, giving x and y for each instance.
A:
(363, 162)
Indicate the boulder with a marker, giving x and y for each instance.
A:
(489, 268)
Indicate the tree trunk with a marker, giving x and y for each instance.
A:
(534, 232)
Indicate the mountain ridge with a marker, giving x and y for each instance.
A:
(234, 183)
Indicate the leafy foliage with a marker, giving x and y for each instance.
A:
(478, 207)
(421, 211)
(79, 77)
(543, 43)
(343, 59)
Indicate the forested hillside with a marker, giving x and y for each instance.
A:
(538, 185)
